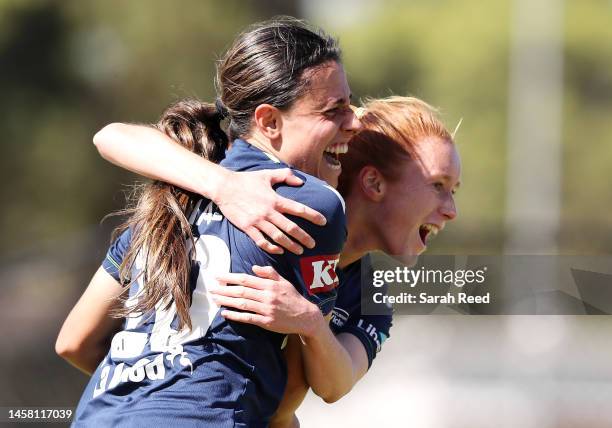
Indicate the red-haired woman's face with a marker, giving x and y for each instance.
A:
(417, 206)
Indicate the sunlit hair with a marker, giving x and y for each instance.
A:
(161, 234)
(267, 64)
(392, 128)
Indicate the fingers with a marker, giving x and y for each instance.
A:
(291, 207)
(245, 317)
(262, 242)
(245, 280)
(280, 238)
(292, 229)
(285, 175)
(240, 304)
(267, 226)
(267, 272)
(237, 292)
(288, 206)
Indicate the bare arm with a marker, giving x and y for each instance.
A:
(245, 198)
(333, 365)
(359, 357)
(149, 152)
(84, 338)
(297, 385)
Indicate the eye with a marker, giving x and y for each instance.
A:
(332, 111)
(439, 186)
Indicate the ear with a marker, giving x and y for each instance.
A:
(268, 121)
(372, 183)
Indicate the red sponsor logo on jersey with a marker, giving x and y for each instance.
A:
(319, 273)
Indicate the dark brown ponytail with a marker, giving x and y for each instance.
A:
(161, 232)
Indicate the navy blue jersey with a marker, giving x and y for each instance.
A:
(220, 373)
(371, 330)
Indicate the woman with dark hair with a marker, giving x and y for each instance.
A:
(176, 360)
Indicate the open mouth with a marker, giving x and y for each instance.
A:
(332, 152)
(332, 160)
(427, 232)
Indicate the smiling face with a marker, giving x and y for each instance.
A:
(417, 205)
(319, 125)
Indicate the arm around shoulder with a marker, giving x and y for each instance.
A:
(149, 152)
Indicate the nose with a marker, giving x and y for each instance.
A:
(448, 208)
(352, 123)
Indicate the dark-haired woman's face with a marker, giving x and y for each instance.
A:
(320, 123)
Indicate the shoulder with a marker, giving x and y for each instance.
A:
(319, 196)
(316, 194)
(116, 253)
(121, 244)
(125, 237)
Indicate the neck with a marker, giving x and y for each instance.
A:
(265, 145)
(360, 236)
(273, 147)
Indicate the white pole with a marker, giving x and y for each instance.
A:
(533, 180)
(534, 127)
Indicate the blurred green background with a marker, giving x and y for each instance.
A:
(68, 68)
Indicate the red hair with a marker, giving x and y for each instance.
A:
(392, 127)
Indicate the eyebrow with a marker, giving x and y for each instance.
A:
(449, 178)
(339, 101)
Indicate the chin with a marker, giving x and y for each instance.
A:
(329, 175)
(407, 255)
(409, 260)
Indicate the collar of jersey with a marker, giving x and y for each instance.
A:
(242, 144)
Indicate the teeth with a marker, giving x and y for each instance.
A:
(337, 148)
(432, 230)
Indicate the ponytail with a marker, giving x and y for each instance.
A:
(161, 234)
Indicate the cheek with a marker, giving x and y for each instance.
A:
(319, 134)
(329, 127)
(402, 220)
(426, 203)
(410, 211)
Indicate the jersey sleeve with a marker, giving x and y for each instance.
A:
(371, 330)
(115, 254)
(313, 273)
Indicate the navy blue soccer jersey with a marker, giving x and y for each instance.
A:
(371, 330)
(220, 373)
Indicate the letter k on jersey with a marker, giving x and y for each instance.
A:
(319, 273)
